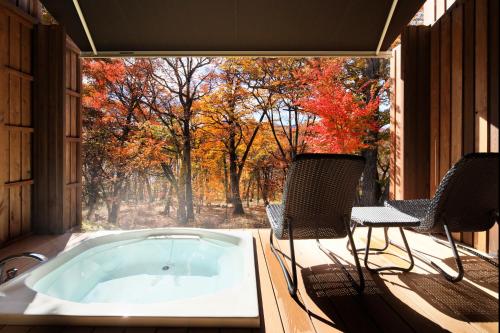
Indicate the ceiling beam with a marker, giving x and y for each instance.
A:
(125, 54)
(386, 26)
(85, 27)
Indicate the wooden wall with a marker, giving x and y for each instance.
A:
(16, 125)
(410, 115)
(40, 124)
(463, 105)
(464, 102)
(57, 191)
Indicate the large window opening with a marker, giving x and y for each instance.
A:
(206, 142)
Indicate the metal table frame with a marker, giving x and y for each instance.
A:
(389, 224)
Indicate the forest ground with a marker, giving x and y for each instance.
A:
(150, 215)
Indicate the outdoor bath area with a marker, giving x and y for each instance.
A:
(236, 166)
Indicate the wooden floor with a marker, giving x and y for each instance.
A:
(419, 301)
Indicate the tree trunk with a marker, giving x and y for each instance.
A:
(370, 187)
(148, 188)
(140, 188)
(265, 187)
(371, 191)
(178, 186)
(114, 211)
(135, 190)
(186, 160)
(257, 185)
(226, 181)
(93, 193)
(248, 191)
(116, 201)
(168, 201)
(234, 178)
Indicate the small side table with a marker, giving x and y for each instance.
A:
(383, 217)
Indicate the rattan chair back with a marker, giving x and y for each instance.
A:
(467, 197)
(319, 194)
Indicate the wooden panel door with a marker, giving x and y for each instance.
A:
(72, 136)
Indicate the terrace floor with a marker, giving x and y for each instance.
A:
(419, 301)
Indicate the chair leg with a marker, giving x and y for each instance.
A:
(458, 261)
(386, 245)
(291, 281)
(465, 248)
(388, 268)
(358, 286)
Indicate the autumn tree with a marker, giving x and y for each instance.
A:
(346, 95)
(187, 80)
(115, 89)
(162, 106)
(277, 89)
(231, 119)
(344, 121)
(94, 158)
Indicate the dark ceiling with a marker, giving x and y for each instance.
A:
(233, 25)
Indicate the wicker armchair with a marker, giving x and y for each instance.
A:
(317, 201)
(465, 200)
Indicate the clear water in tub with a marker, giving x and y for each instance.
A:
(142, 271)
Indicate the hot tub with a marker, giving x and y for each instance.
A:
(170, 277)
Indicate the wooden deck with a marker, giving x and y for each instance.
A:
(419, 301)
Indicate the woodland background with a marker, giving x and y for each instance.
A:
(208, 141)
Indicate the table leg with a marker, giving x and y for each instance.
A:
(386, 238)
(388, 268)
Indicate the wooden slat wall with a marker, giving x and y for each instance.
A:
(464, 90)
(468, 98)
(16, 126)
(410, 115)
(57, 198)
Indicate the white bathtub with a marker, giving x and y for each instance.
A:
(170, 277)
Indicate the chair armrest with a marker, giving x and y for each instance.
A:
(417, 208)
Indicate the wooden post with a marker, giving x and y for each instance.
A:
(57, 122)
(410, 138)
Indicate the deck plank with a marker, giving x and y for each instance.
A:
(294, 318)
(270, 315)
(320, 309)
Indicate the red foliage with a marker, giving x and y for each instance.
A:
(344, 121)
